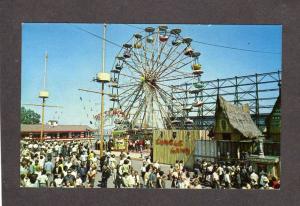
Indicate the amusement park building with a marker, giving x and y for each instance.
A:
(238, 135)
(58, 131)
(273, 122)
(233, 122)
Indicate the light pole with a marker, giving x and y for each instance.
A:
(102, 93)
(44, 94)
(102, 78)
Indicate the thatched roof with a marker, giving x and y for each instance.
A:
(238, 118)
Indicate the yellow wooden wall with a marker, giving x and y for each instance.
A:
(163, 153)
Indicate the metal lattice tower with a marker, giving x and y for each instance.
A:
(259, 91)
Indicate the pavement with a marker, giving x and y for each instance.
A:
(136, 164)
(133, 155)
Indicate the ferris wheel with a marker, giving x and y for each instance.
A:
(144, 76)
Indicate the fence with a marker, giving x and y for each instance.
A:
(220, 150)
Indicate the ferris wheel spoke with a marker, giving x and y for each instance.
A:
(171, 63)
(125, 91)
(139, 61)
(127, 63)
(159, 55)
(138, 111)
(128, 109)
(174, 78)
(172, 101)
(153, 49)
(128, 85)
(145, 111)
(160, 108)
(162, 111)
(132, 77)
(170, 72)
(173, 49)
(157, 70)
(147, 59)
(185, 74)
(135, 64)
(128, 96)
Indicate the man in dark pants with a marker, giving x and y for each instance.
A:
(102, 161)
(105, 175)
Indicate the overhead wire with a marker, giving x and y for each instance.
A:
(98, 36)
(219, 45)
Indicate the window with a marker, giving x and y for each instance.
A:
(174, 135)
(226, 136)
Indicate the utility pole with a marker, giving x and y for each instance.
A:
(102, 93)
(102, 78)
(44, 94)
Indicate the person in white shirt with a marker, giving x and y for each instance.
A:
(148, 161)
(215, 179)
(56, 149)
(131, 180)
(33, 183)
(136, 177)
(78, 181)
(156, 165)
(42, 161)
(83, 157)
(112, 164)
(227, 180)
(129, 160)
(68, 163)
(43, 179)
(181, 165)
(58, 181)
(254, 179)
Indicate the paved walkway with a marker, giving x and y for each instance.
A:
(133, 155)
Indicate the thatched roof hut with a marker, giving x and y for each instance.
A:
(234, 119)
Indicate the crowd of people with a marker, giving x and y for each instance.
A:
(138, 145)
(74, 164)
(239, 175)
(125, 176)
(57, 164)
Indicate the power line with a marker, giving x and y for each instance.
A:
(218, 45)
(235, 48)
(199, 42)
(98, 36)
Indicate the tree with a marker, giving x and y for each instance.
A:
(28, 116)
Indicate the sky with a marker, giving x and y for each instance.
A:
(74, 59)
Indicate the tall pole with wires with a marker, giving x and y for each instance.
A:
(101, 78)
(102, 93)
(44, 95)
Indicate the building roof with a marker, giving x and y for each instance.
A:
(58, 128)
(238, 118)
(277, 105)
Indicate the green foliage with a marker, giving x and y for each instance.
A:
(28, 116)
